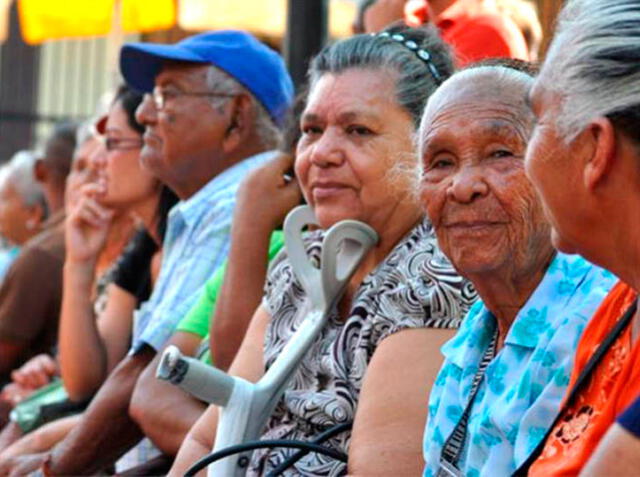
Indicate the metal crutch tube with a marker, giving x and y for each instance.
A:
(245, 407)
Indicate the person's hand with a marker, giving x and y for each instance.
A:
(36, 372)
(266, 196)
(87, 225)
(22, 464)
(14, 393)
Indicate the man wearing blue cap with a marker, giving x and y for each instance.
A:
(212, 110)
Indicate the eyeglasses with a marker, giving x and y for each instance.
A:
(161, 96)
(122, 143)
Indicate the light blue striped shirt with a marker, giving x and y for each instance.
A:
(196, 243)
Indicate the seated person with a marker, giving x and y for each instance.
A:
(507, 368)
(91, 341)
(583, 159)
(22, 206)
(355, 160)
(29, 327)
(165, 412)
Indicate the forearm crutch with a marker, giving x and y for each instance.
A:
(244, 406)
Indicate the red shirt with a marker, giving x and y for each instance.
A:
(475, 31)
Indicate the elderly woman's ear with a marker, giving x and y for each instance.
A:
(603, 147)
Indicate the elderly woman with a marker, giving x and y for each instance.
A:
(508, 366)
(584, 160)
(364, 105)
(22, 205)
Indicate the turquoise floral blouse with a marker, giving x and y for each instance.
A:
(525, 382)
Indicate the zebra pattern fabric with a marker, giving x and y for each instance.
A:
(414, 287)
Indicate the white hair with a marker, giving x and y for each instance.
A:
(20, 173)
(268, 133)
(503, 78)
(593, 63)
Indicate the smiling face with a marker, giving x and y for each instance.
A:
(474, 189)
(354, 136)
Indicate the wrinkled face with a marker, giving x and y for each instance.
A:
(552, 167)
(188, 127)
(354, 135)
(16, 217)
(484, 209)
(118, 168)
(81, 172)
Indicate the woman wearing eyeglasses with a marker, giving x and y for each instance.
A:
(89, 348)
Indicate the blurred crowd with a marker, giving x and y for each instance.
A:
(491, 330)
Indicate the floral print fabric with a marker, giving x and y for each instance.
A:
(524, 384)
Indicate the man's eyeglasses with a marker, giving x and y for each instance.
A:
(122, 143)
(161, 96)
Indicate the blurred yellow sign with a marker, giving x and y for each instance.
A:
(42, 20)
(148, 15)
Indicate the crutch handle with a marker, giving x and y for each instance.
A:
(205, 382)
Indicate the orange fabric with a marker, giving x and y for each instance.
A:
(614, 385)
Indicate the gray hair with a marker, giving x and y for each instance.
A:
(268, 133)
(594, 64)
(415, 80)
(503, 78)
(20, 173)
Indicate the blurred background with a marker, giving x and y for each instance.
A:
(59, 57)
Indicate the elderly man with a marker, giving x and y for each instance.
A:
(28, 326)
(214, 104)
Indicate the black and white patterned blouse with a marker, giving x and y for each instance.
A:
(414, 287)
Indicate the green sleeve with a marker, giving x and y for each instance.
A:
(196, 320)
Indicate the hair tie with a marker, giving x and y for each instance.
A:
(422, 54)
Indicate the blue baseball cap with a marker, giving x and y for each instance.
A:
(253, 64)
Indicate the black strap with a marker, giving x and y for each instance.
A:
(583, 379)
(455, 442)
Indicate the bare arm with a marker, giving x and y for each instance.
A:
(163, 411)
(392, 409)
(106, 431)
(264, 199)
(248, 364)
(617, 454)
(82, 351)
